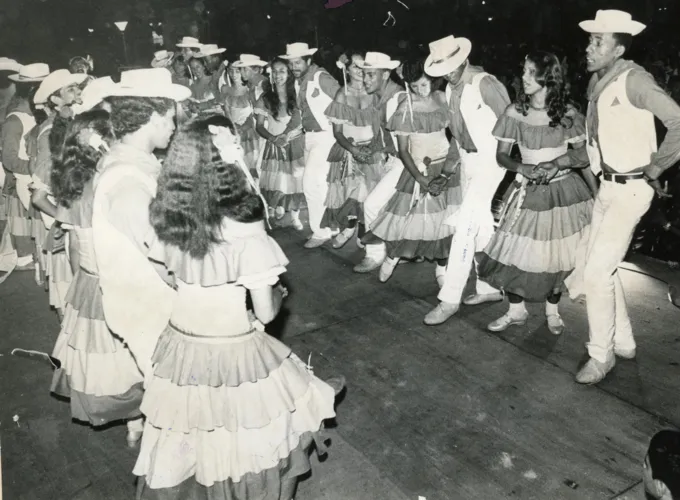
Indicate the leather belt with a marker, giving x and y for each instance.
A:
(622, 178)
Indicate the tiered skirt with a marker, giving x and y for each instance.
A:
(281, 174)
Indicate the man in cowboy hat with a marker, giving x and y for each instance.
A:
(476, 100)
(377, 68)
(316, 90)
(18, 123)
(622, 146)
(136, 301)
(7, 88)
(162, 59)
(251, 68)
(190, 46)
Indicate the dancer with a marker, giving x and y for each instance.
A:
(661, 468)
(316, 90)
(135, 297)
(283, 164)
(231, 412)
(412, 222)
(250, 73)
(355, 167)
(238, 106)
(98, 372)
(621, 145)
(377, 68)
(19, 122)
(56, 94)
(476, 100)
(535, 247)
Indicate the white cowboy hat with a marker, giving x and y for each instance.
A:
(446, 55)
(210, 49)
(295, 50)
(150, 82)
(190, 43)
(378, 60)
(94, 93)
(246, 60)
(612, 21)
(36, 72)
(57, 80)
(7, 64)
(162, 58)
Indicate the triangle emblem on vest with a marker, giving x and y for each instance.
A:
(616, 102)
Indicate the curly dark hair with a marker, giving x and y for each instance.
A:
(77, 163)
(129, 114)
(197, 189)
(271, 97)
(551, 75)
(413, 70)
(664, 459)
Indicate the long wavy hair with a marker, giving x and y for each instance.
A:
(271, 97)
(197, 189)
(77, 162)
(551, 75)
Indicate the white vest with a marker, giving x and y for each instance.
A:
(28, 122)
(479, 118)
(626, 134)
(317, 105)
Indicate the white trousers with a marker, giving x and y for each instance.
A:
(474, 224)
(378, 198)
(314, 180)
(618, 209)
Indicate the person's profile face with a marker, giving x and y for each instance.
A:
(455, 76)
(373, 80)
(71, 95)
(164, 127)
(602, 51)
(355, 71)
(529, 82)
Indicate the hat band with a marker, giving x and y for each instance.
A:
(437, 61)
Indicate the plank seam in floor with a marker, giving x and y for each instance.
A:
(630, 488)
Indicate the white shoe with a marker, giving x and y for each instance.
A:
(481, 298)
(506, 321)
(595, 371)
(555, 324)
(297, 224)
(440, 314)
(441, 280)
(367, 265)
(280, 212)
(387, 268)
(625, 353)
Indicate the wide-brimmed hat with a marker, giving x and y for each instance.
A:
(246, 60)
(189, 42)
(612, 21)
(378, 60)
(150, 82)
(36, 72)
(446, 55)
(162, 58)
(210, 49)
(7, 64)
(295, 50)
(94, 93)
(55, 81)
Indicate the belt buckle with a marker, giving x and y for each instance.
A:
(619, 179)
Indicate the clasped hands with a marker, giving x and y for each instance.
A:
(542, 173)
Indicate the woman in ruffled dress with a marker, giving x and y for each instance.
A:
(231, 412)
(355, 167)
(535, 247)
(412, 223)
(238, 106)
(98, 373)
(279, 123)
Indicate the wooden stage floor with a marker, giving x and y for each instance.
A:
(452, 412)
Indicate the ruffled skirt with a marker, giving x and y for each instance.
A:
(281, 174)
(98, 372)
(58, 269)
(251, 144)
(228, 417)
(18, 219)
(349, 183)
(535, 247)
(415, 227)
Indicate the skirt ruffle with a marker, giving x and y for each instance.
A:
(18, 220)
(229, 407)
(536, 245)
(60, 278)
(97, 370)
(281, 175)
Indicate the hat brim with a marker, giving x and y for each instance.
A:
(17, 78)
(392, 65)
(189, 45)
(162, 63)
(306, 53)
(592, 26)
(437, 69)
(212, 53)
(173, 91)
(240, 64)
(73, 79)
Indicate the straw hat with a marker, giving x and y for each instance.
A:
(612, 21)
(162, 58)
(210, 49)
(446, 55)
(36, 72)
(295, 50)
(189, 42)
(149, 82)
(57, 80)
(94, 93)
(246, 60)
(7, 64)
(378, 60)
